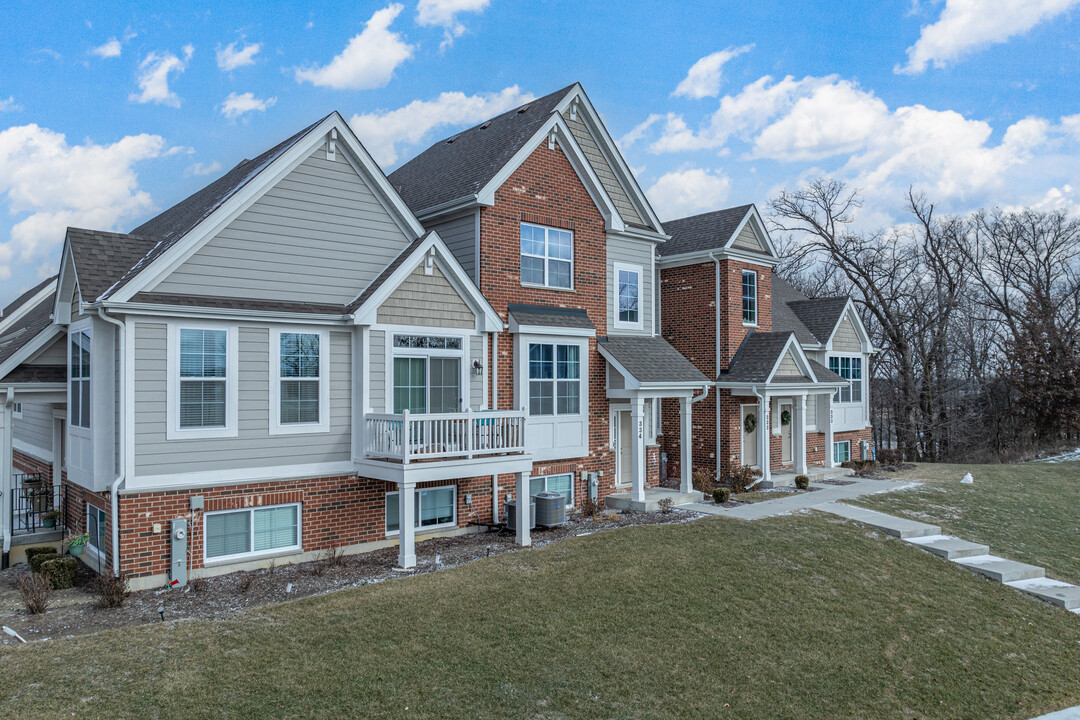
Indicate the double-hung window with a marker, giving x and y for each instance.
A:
(79, 412)
(202, 392)
(627, 296)
(547, 256)
(432, 508)
(554, 379)
(849, 368)
(299, 386)
(16, 411)
(749, 297)
(237, 534)
(562, 484)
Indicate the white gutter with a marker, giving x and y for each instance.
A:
(5, 472)
(114, 488)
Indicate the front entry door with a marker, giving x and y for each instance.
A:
(749, 439)
(785, 433)
(625, 449)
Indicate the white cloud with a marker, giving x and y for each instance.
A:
(154, 73)
(203, 168)
(381, 133)
(443, 13)
(1071, 124)
(9, 105)
(703, 79)
(57, 185)
(109, 49)
(969, 25)
(229, 58)
(368, 61)
(688, 191)
(236, 105)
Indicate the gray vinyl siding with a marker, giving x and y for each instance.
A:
(254, 447)
(631, 252)
(427, 300)
(846, 339)
(811, 410)
(377, 371)
(603, 171)
(788, 367)
(318, 236)
(476, 382)
(55, 354)
(459, 234)
(35, 427)
(747, 240)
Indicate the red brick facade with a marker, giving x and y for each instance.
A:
(31, 465)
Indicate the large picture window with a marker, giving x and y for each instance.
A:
(79, 376)
(203, 377)
(554, 379)
(250, 533)
(749, 297)
(849, 368)
(432, 508)
(628, 296)
(547, 256)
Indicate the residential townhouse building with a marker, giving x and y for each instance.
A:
(308, 354)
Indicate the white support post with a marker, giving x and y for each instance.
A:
(829, 461)
(800, 434)
(524, 517)
(5, 473)
(764, 436)
(686, 450)
(637, 442)
(406, 527)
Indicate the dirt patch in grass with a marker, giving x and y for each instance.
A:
(766, 495)
(74, 611)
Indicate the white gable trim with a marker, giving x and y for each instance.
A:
(792, 346)
(860, 329)
(757, 225)
(33, 347)
(557, 128)
(611, 151)
(62, 303)
(210, 226)
(488, 320)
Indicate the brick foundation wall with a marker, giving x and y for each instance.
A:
(31, 465)
(856, 437)
(76, 500)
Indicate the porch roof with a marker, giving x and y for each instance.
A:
(550, 316)
(650, 360)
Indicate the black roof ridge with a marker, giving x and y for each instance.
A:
(712, 212)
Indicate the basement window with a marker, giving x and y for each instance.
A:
(433, 508)
(241, 534)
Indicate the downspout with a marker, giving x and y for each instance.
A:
(114, 488)
(716, 356)
(495, 407)
(6, 490)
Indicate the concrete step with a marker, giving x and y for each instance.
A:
(1000, 569)
(1056, 592)
(777, 481)
(651, 503)
(951, 548)
(897, 527)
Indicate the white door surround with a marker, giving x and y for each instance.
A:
(748, 453)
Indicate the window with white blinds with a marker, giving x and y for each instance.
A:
(258, 531)
(203, 378)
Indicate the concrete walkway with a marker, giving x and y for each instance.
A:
(1072, 713)
(824, 494)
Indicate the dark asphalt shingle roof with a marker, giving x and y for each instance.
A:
(24, 298)
(784, 318)
(651, 359)
(27, 327)
(708, 231)
(463, 164)
(824, 374)
(550, 316)
(756, 357)
(102, 258)
(820, 316)
(36, 374)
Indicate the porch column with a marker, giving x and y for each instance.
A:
(799, 441)
(829, 462)
(764, 436)
(524, 519)
(5, 474)
(637, 442)
(686, 479)
(406, 527)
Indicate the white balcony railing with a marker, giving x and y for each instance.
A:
(408, 437)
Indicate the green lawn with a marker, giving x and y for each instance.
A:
(792, 617)
(1028, 512)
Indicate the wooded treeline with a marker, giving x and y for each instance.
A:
(975, 317)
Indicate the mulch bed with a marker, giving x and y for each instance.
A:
(75, 611)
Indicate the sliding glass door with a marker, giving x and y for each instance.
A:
(427, 384)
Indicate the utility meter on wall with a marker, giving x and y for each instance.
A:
(178, 567)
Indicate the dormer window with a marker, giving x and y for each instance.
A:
(749, 297)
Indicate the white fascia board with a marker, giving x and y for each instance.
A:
(759, 229)
(514, 328)
(611, 150)
(577, 159)
(776, 389)
(62, 314)
(26, 307)
(184, 311)
(702, 256)
(860, 329)
(632, 383)
(634, 233)
(210, 226)
(467, 202)
(801, 360)
(489, 320)
(27, 351)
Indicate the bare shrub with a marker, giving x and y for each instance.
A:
(665, 505)
(244, 583)
(702, 480)
(612, 516)
(198, 585)
(112, 592)
(590, 509)
(333, 558)
(739, 477)
(35, 591)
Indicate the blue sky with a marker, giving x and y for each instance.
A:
(110, 114)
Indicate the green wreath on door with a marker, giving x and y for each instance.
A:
(749, 423)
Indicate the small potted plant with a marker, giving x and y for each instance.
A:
(77, 543)
(49, 518)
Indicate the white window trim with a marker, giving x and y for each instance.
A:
(94, 508)
(862, 380)
(838, 443)
(757, 298)
(547, 257)
(582, 379)
(323, 425)
(173, 431)
(521, 397)
(640, 271)
(236, 557)
(17, 410)
(81, 326)
(389, 331)
(545, 478)
(417, 530)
